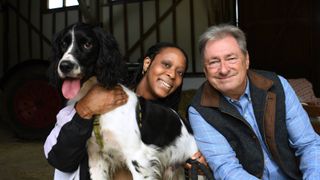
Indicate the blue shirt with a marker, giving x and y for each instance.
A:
(222, 159)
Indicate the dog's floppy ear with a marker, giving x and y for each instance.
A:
(55, 57)
(110, 68)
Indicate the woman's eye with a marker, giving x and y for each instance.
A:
(166, 65)
(180, 73)
(87, 45)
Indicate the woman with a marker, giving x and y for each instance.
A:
(159, 78)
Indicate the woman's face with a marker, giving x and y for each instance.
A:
(164, 73)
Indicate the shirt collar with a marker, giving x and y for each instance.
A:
(246, 94)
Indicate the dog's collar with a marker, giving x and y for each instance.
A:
(139, 115)
(97, 127)
(97, 130)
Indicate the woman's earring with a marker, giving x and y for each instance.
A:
(146, 63)
(143, 72)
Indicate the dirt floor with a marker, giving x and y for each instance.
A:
(21, 159)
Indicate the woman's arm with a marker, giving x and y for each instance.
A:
(65, 146)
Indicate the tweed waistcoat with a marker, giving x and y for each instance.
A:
(268, 100)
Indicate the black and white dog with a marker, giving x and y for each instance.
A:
(85, 55)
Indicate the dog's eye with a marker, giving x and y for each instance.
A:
(64, 44)
(87, 45)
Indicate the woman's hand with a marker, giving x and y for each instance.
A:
(100, 100)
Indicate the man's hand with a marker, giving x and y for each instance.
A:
(100, 100)
(197, 156)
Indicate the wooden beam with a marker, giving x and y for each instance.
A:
(85, 12)
(35, 29)
(18, 34)
(193, 41)
(152, 28)
(141, 26)
(6, 54)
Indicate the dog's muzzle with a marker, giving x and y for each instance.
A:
(69, 68)
(66, 66)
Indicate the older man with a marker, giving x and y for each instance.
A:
(249, 124)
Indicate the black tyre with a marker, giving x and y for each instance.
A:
(30, 103)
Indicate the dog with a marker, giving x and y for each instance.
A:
(85, 55)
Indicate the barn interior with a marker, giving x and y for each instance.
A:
(282, 37)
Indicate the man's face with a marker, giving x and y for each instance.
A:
(225, 66)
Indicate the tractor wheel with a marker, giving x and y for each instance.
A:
(30, 103)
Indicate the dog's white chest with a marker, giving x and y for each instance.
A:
(119, 126)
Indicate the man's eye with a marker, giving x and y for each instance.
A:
(232, 60)
(213, 62)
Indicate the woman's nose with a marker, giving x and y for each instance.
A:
(171, 73)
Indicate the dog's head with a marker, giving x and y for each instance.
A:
(81, 51)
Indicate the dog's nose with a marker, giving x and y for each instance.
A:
(66, 66)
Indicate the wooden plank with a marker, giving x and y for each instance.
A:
(29, 30)
(54, 18)
(157, 7)
(18, 34)
(111, 18)
(141, 26)
(6, 54)
(35, 29)
(193, 41)
(41, 32)
(152, 28)
(174, 23)
(65, 11)
(125, 20)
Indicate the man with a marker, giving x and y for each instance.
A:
(249, 124)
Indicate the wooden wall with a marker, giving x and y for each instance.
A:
(27, 29)
(283, 37)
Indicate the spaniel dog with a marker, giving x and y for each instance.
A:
(151, 146)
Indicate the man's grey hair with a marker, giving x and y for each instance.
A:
(221, 31)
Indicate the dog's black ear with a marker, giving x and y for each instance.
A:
(56, 54)
(110, 68)
(52, 74)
